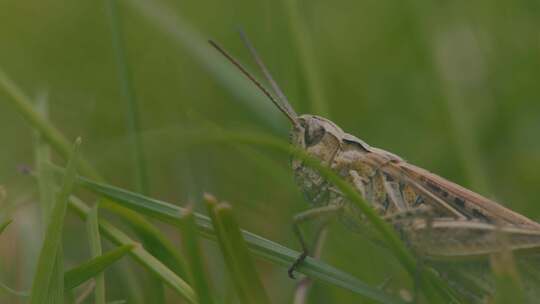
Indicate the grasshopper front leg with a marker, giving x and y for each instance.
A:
(305, 216)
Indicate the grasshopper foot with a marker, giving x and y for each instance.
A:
(296, 263)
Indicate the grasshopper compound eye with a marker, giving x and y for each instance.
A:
(314, 132)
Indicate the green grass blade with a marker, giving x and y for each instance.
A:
(194, 255)
(235, 252)
(261, 247)
(53, 236)
(151, 237)
(23, 105)
(46, 185)
(138, 253)
(94, 267)
(128, 92)
(9, 290)
(94, 239)
(308, 62)
(45, 178)
(508, 283)
(4, 225)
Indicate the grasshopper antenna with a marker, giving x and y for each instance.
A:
(266, 73)
(285, 110)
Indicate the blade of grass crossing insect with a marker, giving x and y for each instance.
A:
(193, 253)
(235, 252)
(509, 287)
(434, 289)
(94, 267)
(95, 251)
(138, 253)
(53, 235)
(264, 248)
(125, 79)
(46, 185)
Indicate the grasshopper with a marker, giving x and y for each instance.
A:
(437, 218)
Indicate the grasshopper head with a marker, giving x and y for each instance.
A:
(311, 130)
(318, 136)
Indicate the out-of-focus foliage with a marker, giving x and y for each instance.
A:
(449, 86)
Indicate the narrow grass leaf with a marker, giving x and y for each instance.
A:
(138, 253)
(433, 287)
(4, 225)
(9, 290)
(45, 177)
(151, 237)
(23, 104)
(235, 252)
(308, 60)
(53, 235)
(194, 256)
(94, 267)
(509, 287)
(128, 92)
(94, 239)
(46, 186)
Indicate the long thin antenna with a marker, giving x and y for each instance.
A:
(291, 116)
(277, 90)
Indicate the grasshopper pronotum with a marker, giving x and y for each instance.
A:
(439, 219)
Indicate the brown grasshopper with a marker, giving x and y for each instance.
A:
(437, 218)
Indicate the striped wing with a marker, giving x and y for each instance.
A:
(450, 196)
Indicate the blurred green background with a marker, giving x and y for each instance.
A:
(451, 86)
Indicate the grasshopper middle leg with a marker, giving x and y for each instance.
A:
(305, 216)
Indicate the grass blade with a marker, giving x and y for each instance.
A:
(308, 62)
(9, 290)
(23, 105)
(509, 286)
(151, 237)
(194, 256)
(261, 247)
(46, 185)
(94, 267)
(125, 79)
(53, 235)
(138, 253)
(95, 250)
(235, 252)
(45, 178)
(4, 225)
